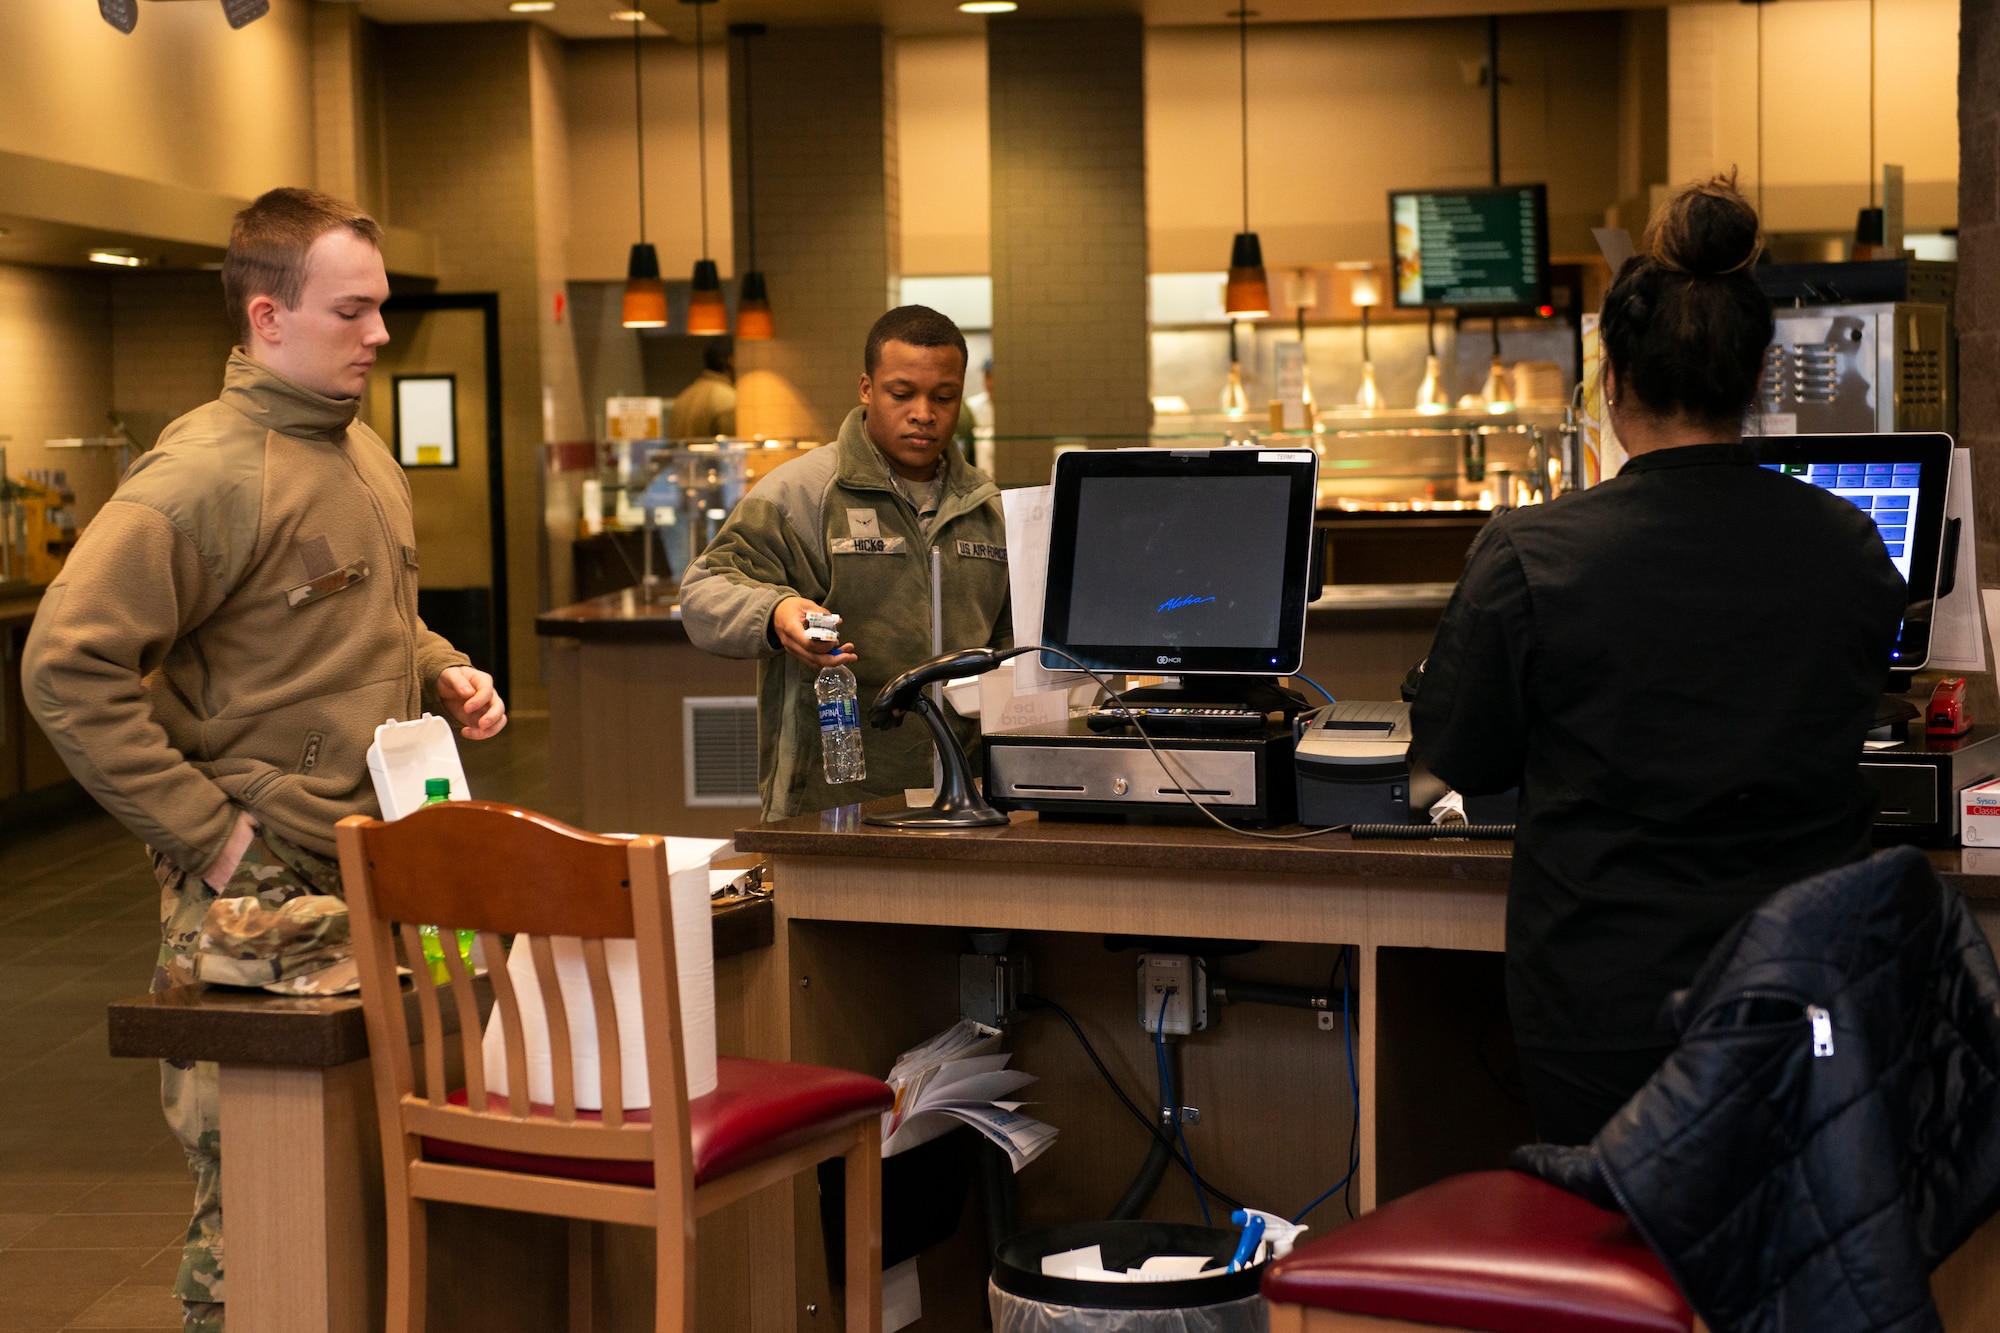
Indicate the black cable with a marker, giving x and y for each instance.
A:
(639, 120)
(1185, 780)
(1432, 832)
(749, 154)
(1153, 1129)
(701, 119)
(1243, 91)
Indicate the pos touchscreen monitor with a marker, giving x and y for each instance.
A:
(1181, 561)
(1899, 481)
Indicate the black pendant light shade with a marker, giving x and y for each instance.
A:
(645, 295)
(708, 314)
(753, 309)
(1248, 295)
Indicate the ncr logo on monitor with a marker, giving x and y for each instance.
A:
(1166, 661)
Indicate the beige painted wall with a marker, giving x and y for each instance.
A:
(1340, 114)
(1816, 105)
(603, 163)
(183, 99)
(943, 154)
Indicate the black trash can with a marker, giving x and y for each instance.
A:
(1023, 1300)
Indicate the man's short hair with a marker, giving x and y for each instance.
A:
(715, 354)
(917, 325)
(268, 242)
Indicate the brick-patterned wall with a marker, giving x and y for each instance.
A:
(827, 218)
(1066, 102)
(170, 338)
(1979, 266)
(55, 373)
(459, 135)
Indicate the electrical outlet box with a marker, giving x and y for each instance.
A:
(1180, 981)
(990, 986)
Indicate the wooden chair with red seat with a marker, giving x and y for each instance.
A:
(1490, 1252)
(501, 870)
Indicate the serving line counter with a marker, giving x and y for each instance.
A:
(654, 733)
(853, 960)
(871, 920)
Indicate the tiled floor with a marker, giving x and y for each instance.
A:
(94, 1193)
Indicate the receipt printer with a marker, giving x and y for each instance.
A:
(1354, 765)
(1357, 763)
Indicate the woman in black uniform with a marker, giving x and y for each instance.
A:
(1677, 667)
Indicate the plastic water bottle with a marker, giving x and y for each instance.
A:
(839, 725)
(436, 792)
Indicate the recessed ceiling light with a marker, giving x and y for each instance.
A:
(531, 6)
(122, 258)
(988, 7)
(628, 16)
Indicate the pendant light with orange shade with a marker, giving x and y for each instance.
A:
(645, 304)
(708, 313)
(753, 301)
(1248, 293)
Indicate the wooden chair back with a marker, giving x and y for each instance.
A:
(500, 870)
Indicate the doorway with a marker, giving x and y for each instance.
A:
(434, 398)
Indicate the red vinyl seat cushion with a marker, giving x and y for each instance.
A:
(759, 1109)
(1496, 1251)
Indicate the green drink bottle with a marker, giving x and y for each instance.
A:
(436, 792)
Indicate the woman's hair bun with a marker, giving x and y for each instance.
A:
(1706, 230)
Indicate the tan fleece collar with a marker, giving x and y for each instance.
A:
(276, 403)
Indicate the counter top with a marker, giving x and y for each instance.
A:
(254, 1027)
(617, 617)
(626, 617)
(1028, 839)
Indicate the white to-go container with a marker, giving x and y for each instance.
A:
(405, 754)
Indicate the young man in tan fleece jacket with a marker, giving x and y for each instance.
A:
(238, 619)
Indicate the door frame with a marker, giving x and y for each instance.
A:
(488, 305)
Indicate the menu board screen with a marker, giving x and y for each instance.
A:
(1470, 249)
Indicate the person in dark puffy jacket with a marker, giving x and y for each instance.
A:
(1676, 667)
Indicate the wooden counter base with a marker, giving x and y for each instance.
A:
(871, 921)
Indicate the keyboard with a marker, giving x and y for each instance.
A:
(1177, 720)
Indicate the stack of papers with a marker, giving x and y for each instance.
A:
(1087, 1265)
(961, 1076)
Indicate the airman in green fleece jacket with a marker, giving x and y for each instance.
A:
(851, 528)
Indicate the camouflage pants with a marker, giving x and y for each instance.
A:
(275, 871)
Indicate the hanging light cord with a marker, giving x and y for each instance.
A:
(749, 155)
(639, 119)
(701, 120)
(1243, 90)
(1871, 110)
(1760, 108)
